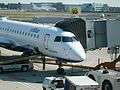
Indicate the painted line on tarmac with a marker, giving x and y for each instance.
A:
(29, 86)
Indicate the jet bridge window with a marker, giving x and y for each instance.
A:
(57, 39)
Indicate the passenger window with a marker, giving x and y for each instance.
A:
(34, 35)
(17, 31)
(22, 33)
(37, 36)
(13, 30)
(31, 35)
(57, 39)
(25, 33)
(28, 34)
(8, 29)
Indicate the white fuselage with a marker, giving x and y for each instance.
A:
(33, 36)
(43, 8)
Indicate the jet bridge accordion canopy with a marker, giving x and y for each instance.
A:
(76, 26)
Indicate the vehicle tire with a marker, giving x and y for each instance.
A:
(106, 85)
(60, 71)
(44, 88)
(91, 76)
(1, 70)
(24, 68)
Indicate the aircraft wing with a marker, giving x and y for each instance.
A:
(11, 44)
(4, 40)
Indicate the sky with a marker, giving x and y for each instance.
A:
(115, 3)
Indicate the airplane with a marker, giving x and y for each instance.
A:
(47, 40)
(44, 7)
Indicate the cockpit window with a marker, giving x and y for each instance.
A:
(66, 39)
(74, 39)
(69, 39)
(57, 39)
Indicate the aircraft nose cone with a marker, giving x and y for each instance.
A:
(82, 55)
(79, 53)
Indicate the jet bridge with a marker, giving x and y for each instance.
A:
(93, 33)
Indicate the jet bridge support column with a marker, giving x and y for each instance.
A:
(44, 61)
(113, 51)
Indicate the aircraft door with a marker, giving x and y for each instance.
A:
(46, 40)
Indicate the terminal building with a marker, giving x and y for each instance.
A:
(100, 7)
(88, 7)
(94, 7)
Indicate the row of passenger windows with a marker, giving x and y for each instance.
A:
(20, 32)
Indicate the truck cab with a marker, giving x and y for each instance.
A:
(108, 79)
(53, 83)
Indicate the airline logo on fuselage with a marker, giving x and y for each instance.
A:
(34, 30)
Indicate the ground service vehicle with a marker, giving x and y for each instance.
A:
(22, 64)
(53, 83)
(80, 83)
(108, 79)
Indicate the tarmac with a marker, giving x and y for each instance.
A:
(32, 80)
